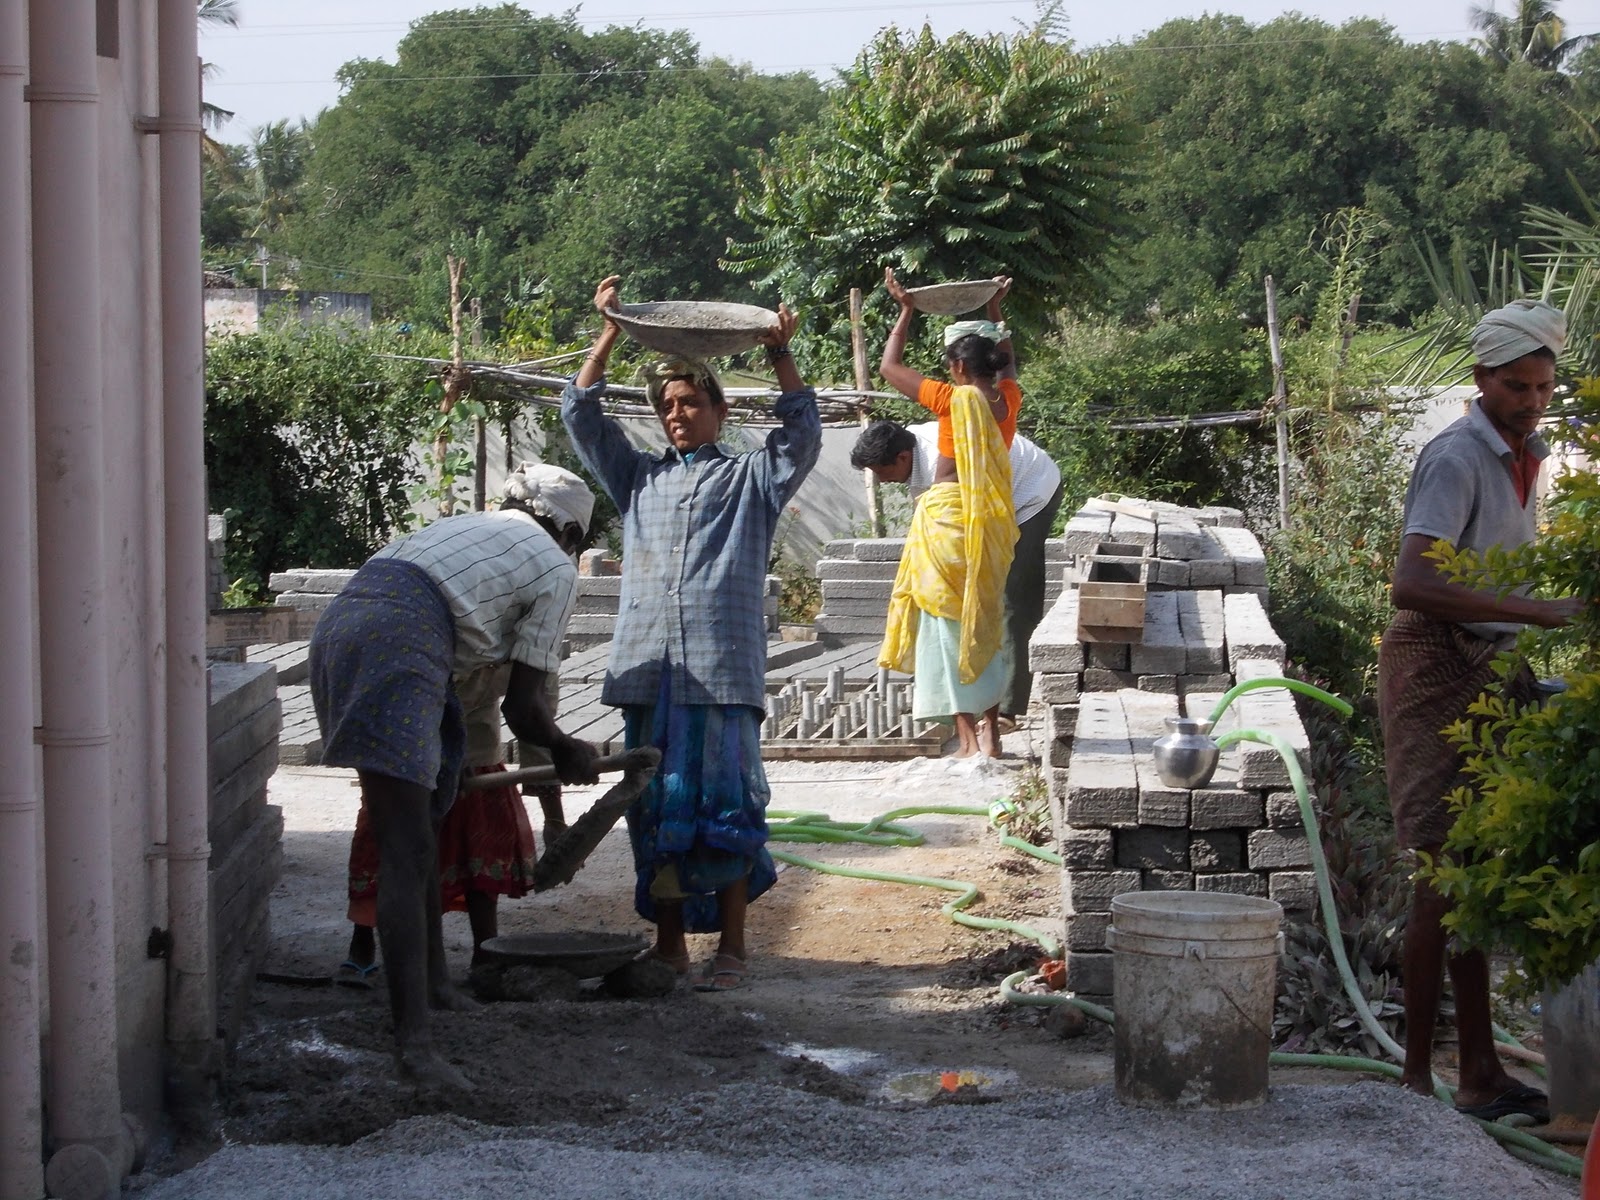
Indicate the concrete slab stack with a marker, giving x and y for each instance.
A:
(1120, 829)
(246, 832)
(857, 575)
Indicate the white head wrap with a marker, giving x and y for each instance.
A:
(957, 330)
(1521, 327)
(552, 492)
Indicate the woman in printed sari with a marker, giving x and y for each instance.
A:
(947, 610)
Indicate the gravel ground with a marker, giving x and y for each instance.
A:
(1357, 1141)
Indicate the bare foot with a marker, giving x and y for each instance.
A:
(423, 1066)
(446, 997)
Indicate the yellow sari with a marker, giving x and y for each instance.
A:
(959, 547)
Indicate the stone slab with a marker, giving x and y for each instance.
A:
(880, 549)
(1236, 883)
(1204, 628)
(850, 568)
(1248, 631)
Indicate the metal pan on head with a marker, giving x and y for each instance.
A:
(694, 328)
(953, 299)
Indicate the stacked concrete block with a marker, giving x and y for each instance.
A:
(216, 548)
(857, 576)
(1121, 829)
(1184, 649)
(308, 588)
(246, 833)
(1188, 547)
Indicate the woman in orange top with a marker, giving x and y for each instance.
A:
(946, 609)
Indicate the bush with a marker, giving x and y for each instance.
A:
(1089, 375)
(309, 434)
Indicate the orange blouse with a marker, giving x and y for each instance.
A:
(935, 397)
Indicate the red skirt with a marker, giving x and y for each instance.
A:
(485, 845)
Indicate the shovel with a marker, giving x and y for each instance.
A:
(565, 855)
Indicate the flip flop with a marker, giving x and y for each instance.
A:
(1521, 1099)
(723, 973)
(679, 965)
(353, 975)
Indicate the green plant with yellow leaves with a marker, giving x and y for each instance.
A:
(1522, 863)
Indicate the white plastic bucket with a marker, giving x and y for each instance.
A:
(1194, 976)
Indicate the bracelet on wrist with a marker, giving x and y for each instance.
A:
(774, 353)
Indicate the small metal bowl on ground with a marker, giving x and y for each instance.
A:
(694, 328)
(585, 954)
(952, 299)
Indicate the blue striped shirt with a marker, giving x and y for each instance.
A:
(696, 536)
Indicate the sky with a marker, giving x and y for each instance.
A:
(280, 62)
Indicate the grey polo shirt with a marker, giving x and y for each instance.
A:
(1462, 491)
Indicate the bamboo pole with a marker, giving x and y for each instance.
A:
(480, 429)
(1280, 403)
(453, 384)
(858, 353)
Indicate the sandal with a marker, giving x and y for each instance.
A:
(354, 975)
(723, 973)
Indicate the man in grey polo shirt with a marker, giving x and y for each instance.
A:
(906, 454)
(1474, 487)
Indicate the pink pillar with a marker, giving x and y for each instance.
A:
(84, 1097)
(21, 1170)
(191, 991)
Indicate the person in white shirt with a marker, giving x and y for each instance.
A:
(905, 454)
(467, 593)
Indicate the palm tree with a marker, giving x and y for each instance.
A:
(223, 13)
(1533, 34)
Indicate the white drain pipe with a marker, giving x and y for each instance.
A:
(84, 1096)
(21, 1148)
(191, 990)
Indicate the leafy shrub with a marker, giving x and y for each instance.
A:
(309, 435)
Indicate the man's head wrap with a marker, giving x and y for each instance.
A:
(988, 330)
(1520, 328)
(552, 492)
(658, 374)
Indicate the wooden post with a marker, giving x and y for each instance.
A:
(480, 431)
(454, 380)
(1349, 329)
(858, 350)
(1280, 403)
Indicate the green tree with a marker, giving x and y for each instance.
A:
(1260, 132)
(954, 159)
(1533, 33)
(212, 117)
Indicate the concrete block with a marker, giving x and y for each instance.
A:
(591, 624)
(304, 601)
(1163, 650)
(1099, 679)
(233, 746)
(850, 628)
(1089, 974)
(1086, 849)
(596, 563)
(1092, 890)
(1133, 531)
(1248, 632)
(1152, 849)
(1085, 531)
(1211, 572)
(1249, 563)
(848, 606)
(1217, 850)
(1055, 550)
(320, 580)
(1054, 646)
(1295, 890)
(1275, 849)
(1223, 517)
(1110, 656)
(880, 549)
(593, 605)
(1059, 753)
(1169, 573)
(288, 658)
(1283, 811)
(850, 568)
(877, 590)
(1087, 932)
(1236, 883)
(1200, 617)
(1190, 685)
(236, 690)
(1058, 689)
(1183, 540)
(840, 548)
(1163, 806)
(1218, 807)
(1169, 881)
(600, 585)
(1061, 721)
